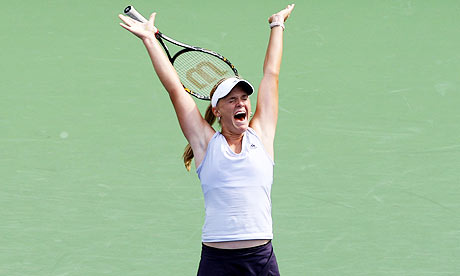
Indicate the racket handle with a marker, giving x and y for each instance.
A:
(131, 12)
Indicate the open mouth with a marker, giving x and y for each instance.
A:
(240, 115)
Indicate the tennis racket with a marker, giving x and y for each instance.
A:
(198, 69)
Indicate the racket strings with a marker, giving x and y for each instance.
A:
(200, 71)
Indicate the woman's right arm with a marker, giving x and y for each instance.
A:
(196, 130)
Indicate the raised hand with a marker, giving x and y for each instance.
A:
(282, 15)
(142, 30)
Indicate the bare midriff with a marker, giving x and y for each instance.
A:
(236, 244)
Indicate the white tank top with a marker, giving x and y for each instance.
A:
(236, 189)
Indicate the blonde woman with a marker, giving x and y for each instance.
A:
(235, 164)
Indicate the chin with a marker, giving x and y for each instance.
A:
(241, 126)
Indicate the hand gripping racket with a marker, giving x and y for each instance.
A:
(198, 69)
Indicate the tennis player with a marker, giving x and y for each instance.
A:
(235, 164)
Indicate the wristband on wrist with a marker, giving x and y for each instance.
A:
(275, 24)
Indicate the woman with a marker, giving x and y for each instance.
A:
(235, 165)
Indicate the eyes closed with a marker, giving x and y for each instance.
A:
(233, 99)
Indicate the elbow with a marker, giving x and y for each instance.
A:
(271, 73)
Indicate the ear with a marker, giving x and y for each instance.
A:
(216, 112)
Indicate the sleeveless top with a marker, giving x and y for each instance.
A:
(236, 189)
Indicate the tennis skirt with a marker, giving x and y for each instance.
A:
(253, 261)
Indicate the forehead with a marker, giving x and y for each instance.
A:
(237, 91)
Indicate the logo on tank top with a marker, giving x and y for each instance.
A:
(252, 146)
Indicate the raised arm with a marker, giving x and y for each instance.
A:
(196, 130)
(266, 114)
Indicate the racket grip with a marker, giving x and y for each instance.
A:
(131, 12)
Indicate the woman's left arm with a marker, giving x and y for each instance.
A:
(266, 114)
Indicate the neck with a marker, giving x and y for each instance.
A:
(234, 140)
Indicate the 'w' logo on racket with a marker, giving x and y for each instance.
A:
(205, 71)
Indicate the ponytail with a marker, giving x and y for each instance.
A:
(210, 118)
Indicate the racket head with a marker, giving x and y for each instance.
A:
(200, 69)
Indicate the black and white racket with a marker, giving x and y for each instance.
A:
(198, 69)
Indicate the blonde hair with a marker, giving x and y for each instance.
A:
(210, 118)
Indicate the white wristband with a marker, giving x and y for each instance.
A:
(275, 24)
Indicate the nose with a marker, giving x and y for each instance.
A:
(239, 102)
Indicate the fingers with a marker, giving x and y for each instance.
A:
(289, 10)
(139, 29)
(152, 22)
(125, 26)
(152, 18)
(127, 20)
(282, 15)
(129, 24)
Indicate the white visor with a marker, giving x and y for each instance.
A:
(226, 86)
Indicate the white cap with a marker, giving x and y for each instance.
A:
(226, 86)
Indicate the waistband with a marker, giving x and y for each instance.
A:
(212, 251)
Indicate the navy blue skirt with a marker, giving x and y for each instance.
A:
(253, 261)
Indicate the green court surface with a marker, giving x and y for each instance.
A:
(367, 175)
